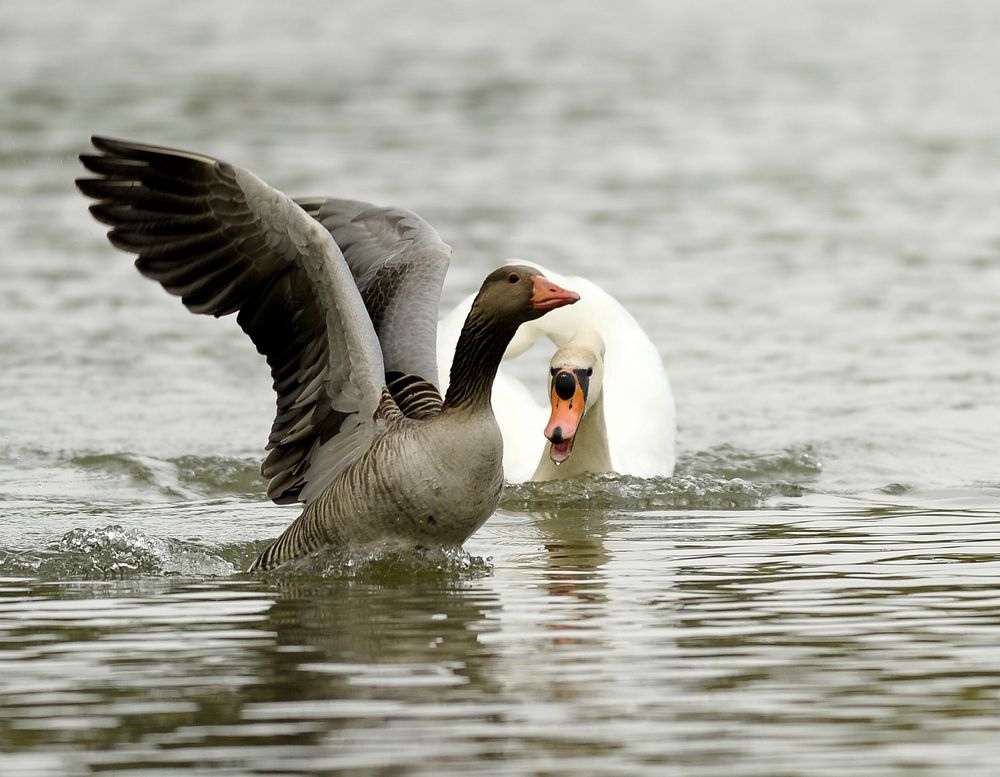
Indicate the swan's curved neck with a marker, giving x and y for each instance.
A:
(590, 449)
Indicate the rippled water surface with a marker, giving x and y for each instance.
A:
(800, 202)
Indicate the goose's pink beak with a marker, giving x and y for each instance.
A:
(548, 296)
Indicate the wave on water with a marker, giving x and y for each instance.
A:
(184, 476)
(721, 478)
(617, 492)
(797, 462)
(724, 478)
(116, 552)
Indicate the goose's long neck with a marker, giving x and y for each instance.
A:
(477, 357)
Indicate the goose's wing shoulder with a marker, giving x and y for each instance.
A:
(399, 263)
(224, 241)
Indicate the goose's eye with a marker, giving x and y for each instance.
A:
(513, 277)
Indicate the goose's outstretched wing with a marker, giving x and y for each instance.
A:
(224, 241)
(399, 263)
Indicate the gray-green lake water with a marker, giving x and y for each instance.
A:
(800, 202)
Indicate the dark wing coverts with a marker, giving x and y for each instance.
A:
(224, 241)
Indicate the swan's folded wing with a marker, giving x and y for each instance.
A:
(224, 241)
(399, 263)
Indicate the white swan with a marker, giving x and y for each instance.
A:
(629, 388)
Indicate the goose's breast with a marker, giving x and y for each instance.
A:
(436, 483)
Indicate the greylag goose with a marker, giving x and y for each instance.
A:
(626, 421)
(344, 306)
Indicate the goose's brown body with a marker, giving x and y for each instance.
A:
(429, 483)
(341, 297)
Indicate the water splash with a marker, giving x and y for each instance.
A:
(723, 478)
(115, 552)
(720, 478)
(618, 492)
(387, 564)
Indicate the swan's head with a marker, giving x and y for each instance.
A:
(576, 377)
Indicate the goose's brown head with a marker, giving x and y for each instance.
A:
(508, 297)
(516, 293)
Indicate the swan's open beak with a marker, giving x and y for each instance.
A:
(568, 399)
(546, 295)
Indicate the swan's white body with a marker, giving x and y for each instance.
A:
(638, 403)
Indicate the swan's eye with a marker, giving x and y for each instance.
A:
(513, 277)
(553, 371)
(590, 371)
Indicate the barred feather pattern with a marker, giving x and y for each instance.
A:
(416, 397)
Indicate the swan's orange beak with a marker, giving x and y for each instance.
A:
(568, 399)
(546, 295)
